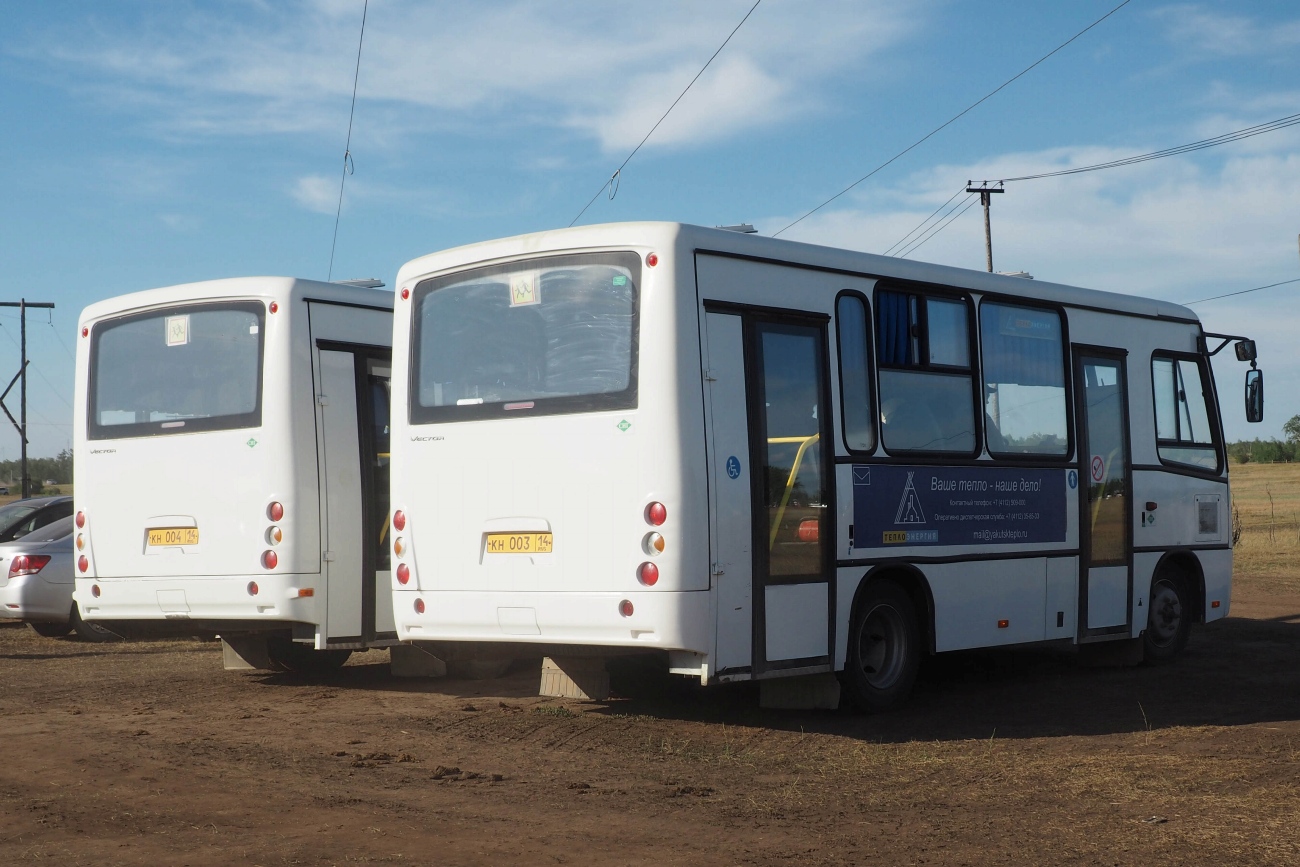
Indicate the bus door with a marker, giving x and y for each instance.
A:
(353, 419)
(771, 500)
(1105, 508)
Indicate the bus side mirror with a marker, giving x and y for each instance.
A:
(1245, 350)
(1254, 395)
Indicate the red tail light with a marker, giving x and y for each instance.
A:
(625, 608)
(656, 514)
(419, 606)
(27, 564)
(81, 520)
(275, 511)
(252, 588)
(82, 563)
(270, 559)
(809, 530)
(399, 520)
(648, 574)
(403, 573)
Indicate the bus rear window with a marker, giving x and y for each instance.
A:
(178, 370)
(546, 336)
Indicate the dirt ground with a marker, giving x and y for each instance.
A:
(150, 753)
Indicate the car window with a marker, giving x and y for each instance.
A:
(36, 519)
(60, 529)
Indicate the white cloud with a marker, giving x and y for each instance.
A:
(317, 193)
(605, 70)
(1207, 31)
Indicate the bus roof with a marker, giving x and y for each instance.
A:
(284, 289)
(702, 239)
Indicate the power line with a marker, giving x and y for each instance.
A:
(1242, 292)
(1226, 138)
(921, 225)
(612, 183)
(954, 118)
(347, 148)
(912, 249)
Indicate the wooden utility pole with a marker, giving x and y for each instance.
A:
(986, 199)
(22, 306)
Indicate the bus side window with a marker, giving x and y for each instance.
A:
(1183, 431)
(1024, 380)
(926, 381)
(855, 373)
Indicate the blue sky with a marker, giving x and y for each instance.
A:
(149, 144)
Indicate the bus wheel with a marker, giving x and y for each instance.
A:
(288, 655)
(884, 648)
(51, 630)
(1169, 620)
(91, 631)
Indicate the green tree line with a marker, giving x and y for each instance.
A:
(58, 469)
(1269, 451)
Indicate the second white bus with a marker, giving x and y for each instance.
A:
(231, 466)
(766, 459)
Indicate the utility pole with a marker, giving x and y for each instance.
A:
(22, 372)
(986, 199)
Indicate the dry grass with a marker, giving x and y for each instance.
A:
(1266, 501)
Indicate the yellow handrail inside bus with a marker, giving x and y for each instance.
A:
(789, 483)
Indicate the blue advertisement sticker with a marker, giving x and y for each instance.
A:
(733, 467)
(957, 506)
(1074, 480)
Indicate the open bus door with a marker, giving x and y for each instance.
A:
(1105, 494)
(771, 491)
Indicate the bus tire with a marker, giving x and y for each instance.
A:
(1169, 619)
(51, 630)
(92, 632)
(884, 648)
(288, 655)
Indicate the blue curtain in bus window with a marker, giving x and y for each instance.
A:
(1022, 345)
(893, 338)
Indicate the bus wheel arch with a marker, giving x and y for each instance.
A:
(889, 630)
(1175, 601)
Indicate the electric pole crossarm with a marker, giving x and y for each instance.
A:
(986, 199)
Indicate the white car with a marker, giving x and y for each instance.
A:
(36, 583)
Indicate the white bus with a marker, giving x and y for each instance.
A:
(231, 466)
(770, 459)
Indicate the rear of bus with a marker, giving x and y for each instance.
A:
(193, 454)
(548, 475)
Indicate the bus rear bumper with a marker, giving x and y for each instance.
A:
(273, 598)
(659, 620)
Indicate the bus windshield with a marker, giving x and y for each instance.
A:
(537, 337)
(178, 370)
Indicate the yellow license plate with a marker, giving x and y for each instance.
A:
(174, 536)
(519, 543)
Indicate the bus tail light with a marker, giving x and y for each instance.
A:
(27, 564)
(656, 514)
(83, 564)
(419, 605)
(94, 590)
(275, 511)
(648, 574)
(654, 544)
(399, 520)
(1215, 604)
(275, 306)
(270, 559)
(81, 542)
(809, 530)
(252, 588)
(274, 536)
(306, 592)
(403, 573)
(399, 546)
(625, 608)
(81, 520)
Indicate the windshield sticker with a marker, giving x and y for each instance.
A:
(178, 330)
(620, 280)
(524, 289)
